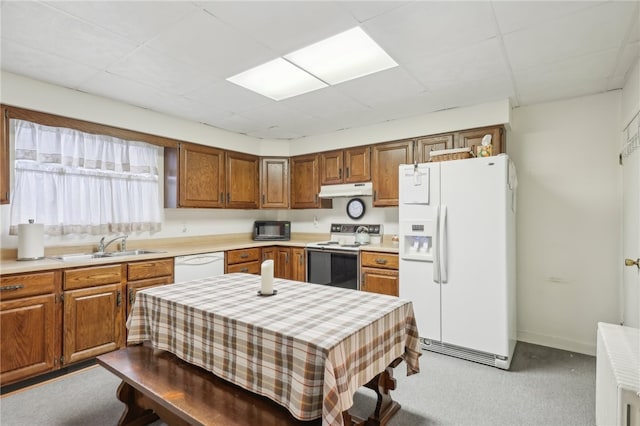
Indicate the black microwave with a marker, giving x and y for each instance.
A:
(268, 230)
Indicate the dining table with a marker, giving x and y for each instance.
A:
(307, 347)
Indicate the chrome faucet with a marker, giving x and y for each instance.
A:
(123, 245)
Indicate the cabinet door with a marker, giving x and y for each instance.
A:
(134, 286)
(383, 281)
(243, 186)
(298, 270)
(384, 165)
(201, 176)
(93, 322)
(357, 163)
(29, 331)
(269, 253)
(331, 167)
(4, 157)
(472, 138)
(274, 183)
(283, 263)
(432, 143)
(305, 183)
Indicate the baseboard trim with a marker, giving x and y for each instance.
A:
(558, 342)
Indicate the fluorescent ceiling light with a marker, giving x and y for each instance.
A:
(277, 79)
(343, 57)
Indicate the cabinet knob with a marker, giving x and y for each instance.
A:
(381, 261)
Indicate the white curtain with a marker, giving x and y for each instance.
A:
(80, 183)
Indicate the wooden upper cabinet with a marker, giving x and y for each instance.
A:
(4, 157)
(385, 160)
(243, 186)
(357, 162)
(431, 143)
(274, 183)
(202, 176)
(331, 164)
(345, 166)
(472, 138)
(305, 183)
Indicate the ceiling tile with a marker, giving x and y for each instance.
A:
(364, 10)
(205, 42)
(473, 62)
(587, 75)
(517, 15)
(43, 28)
(228, 96)
(315, 104)
(284, 26)
(120, 88)
(29, 62)
(134, 20)
(382, 87)
(569, 36)
(424, 28)
(160, 71)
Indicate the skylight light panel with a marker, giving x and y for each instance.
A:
(277, 79)
(345, 56)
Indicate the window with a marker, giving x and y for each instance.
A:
(82, 183)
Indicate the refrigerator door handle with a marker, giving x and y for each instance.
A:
(442, 249)
(436, 248)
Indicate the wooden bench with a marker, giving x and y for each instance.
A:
(158, 384)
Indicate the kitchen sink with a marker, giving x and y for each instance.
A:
(78, 257)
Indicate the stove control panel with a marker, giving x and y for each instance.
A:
(351, 228)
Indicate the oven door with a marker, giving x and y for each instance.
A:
(333, 267)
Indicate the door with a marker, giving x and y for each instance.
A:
(201, 176)
(297, 264)
(93, 322)
(274, 183)
(631, 228)
(242, 181)
(385, 160)
(331, 167)
(357, 164)
(473, 253)
(417, 275)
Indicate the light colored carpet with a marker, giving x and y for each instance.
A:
(544, 387)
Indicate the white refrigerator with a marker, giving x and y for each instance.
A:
(457, 255)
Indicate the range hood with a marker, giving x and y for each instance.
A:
(364, 189)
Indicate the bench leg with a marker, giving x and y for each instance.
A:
(386, 407)
(134, 414)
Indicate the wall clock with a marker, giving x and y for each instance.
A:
(355, 208)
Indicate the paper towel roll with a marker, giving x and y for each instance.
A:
(30, 241)
(267, 277)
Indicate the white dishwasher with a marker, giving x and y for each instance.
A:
(196, 266)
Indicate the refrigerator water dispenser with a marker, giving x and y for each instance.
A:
(417, 240)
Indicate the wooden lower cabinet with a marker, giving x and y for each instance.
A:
(288, 262)
(94, 306)
(379, 273)
(30, 324)
(298, 266)
(146, 274)
(243, 260)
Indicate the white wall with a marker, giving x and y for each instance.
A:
(568, 222)
(631, 96)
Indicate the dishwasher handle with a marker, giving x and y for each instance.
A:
(204, 259)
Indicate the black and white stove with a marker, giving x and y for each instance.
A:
(337, 262)
(343, 237)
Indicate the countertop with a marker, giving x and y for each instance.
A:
(164, 248)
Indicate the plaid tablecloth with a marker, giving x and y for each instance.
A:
(309, 347)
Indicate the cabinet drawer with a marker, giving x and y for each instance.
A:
(93, 276)
(149, 269)
(379, 260)
(241, 256)
(247, 268)
(16, 286)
